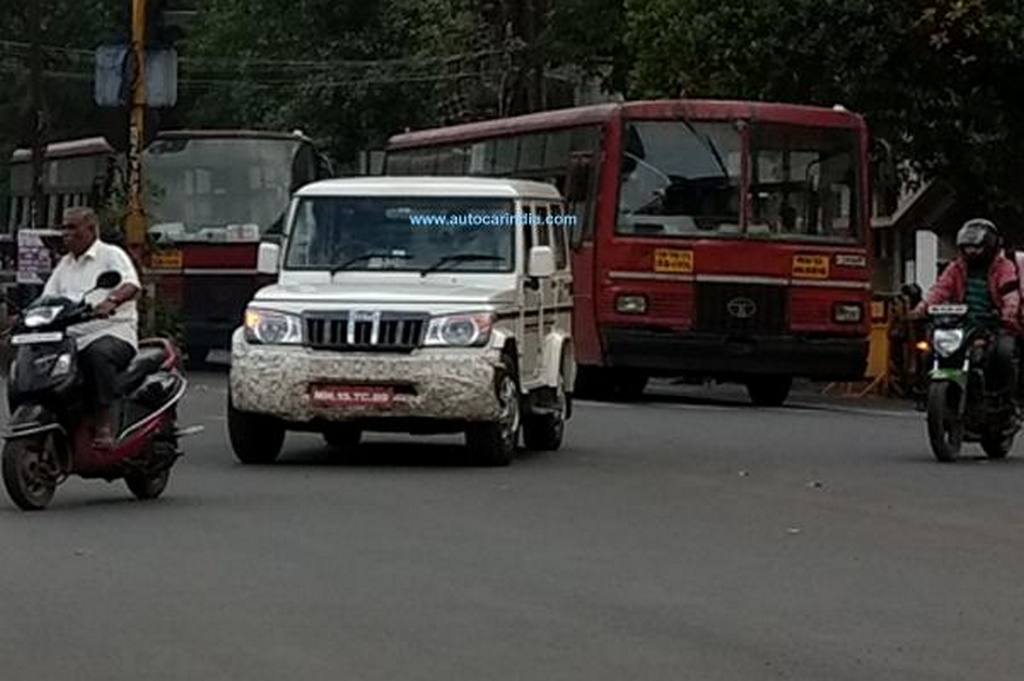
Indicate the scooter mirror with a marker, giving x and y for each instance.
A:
(108, 279)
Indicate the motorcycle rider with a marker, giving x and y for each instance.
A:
(987, 281)
(108, 343)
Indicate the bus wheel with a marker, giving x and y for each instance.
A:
(769, 391)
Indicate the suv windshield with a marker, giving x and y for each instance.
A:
(403, 234)
(680, 179)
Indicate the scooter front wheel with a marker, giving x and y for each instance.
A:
(148, 487)
(28, 473)
(945, 427)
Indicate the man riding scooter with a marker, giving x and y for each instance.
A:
(108, 343)
(984, 279)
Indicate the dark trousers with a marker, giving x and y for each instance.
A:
(1001, 364)
(102, 361)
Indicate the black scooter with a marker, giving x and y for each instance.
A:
(51, 431)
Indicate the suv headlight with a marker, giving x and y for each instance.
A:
(460, 330)
(947, 341)
(273, 328)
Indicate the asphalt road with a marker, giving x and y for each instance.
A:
(681, 538)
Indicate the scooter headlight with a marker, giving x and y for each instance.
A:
(41, 316)
(947, 341)
(62, 366)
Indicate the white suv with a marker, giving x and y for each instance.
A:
(392, 314)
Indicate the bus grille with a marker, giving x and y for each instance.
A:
(741, 308)
(394, 331)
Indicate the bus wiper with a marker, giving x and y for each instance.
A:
(708, 144)
(459, 257)
(367, 256)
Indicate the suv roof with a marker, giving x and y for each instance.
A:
(431, 186)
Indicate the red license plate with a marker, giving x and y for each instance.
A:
(351, 395)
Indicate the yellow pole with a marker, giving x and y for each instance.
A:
(136, 223)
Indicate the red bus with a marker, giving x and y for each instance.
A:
(715, 240)
(211, 197)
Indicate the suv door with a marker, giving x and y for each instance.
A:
(561, 302)
(529, 324)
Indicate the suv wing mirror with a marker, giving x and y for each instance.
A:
(542, 262)
(268, 258)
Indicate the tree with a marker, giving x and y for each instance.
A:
(933, 77)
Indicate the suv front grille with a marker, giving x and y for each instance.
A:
(741, 308)
(391, 331)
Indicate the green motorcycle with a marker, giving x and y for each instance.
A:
(960, 408)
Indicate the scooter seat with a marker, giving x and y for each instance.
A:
(146, 361)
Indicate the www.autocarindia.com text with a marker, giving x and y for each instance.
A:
(490, 220)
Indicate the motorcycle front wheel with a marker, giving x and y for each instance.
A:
(28, 472)
(945, 425)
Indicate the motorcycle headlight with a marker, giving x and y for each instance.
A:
(272, 328)
(463, 330)
(947, 341)
(40, 316)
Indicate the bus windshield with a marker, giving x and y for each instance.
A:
(197, 187)
(804, 183)
(680, 179)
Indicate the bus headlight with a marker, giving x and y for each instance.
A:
(947, 341)
(460, 330)
(847, 313)
(275, 328)
(631, 304)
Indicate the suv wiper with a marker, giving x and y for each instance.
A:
(367, 256)
(459, 257)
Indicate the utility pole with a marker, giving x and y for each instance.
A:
(136, 223)
(38, 122)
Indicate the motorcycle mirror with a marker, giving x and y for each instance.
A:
(108, 279)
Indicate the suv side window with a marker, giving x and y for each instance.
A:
(527, 230)
(558, 236)
(543, 229)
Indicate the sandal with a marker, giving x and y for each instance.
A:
(104, 439)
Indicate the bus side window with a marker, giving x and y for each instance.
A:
(303, 167)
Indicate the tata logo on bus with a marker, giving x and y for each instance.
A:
(810, 266)
(673, 260)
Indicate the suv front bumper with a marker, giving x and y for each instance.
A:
(452, 384)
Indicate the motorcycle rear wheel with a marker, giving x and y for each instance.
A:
(945, 434)
(25, 462)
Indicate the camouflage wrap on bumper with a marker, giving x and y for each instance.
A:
(446, 383)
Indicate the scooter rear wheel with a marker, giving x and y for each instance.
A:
(25, 471)
(945, 430)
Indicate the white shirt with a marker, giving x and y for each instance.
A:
(75, 276)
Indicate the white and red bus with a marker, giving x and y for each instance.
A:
(211, 197)
(715, 240)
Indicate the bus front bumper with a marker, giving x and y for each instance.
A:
(668, 353)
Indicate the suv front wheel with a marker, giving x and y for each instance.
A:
(255, 438)
(494, 443)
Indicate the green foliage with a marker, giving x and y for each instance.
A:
(936, 78)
